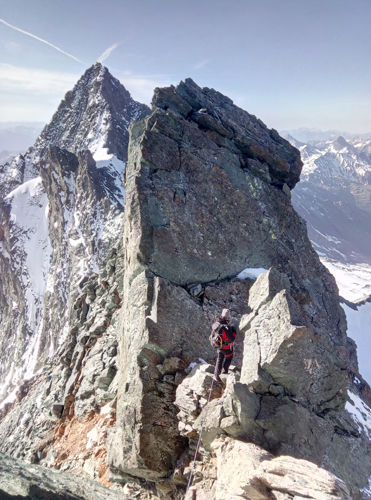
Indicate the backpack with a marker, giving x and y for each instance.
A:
(215, 336)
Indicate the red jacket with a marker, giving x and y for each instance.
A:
(227, 337)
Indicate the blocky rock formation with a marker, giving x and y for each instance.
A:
(244, 470)
(199, 209)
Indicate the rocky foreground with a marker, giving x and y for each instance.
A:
(21, 480)
(207, 202)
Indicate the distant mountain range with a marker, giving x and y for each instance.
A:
(16, 137)
(334, 197)
(313, 135)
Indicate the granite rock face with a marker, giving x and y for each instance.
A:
(166, 155)
(299, 350)
(243, 470)
(299, 369)
(274, 420)
(180, 237)
(21, 480)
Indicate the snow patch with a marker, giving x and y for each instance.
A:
(360, 412)
(107, 409)
(101, 154)
(358, 329)
(12, 396)
(199, 361)
(353, 280)
(251, 273)
(76, 243)
(4, 252)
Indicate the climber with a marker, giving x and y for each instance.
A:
(226, 335)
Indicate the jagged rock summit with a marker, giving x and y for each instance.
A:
(207, 204)
(230, 126)
(60, 214)
(95, 115)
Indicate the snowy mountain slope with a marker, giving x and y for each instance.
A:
(29, 208)
(60, 206)
(28, 258)
(334, 197)
(359, 329)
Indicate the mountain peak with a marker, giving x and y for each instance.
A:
(214, 111)
(94, 115)
(340, 143)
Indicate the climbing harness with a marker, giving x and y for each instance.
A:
(199, 438)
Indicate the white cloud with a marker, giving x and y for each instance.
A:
(105, 55)
(17, 79)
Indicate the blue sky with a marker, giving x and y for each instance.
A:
(290, 62)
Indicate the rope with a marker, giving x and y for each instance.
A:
(199, 438)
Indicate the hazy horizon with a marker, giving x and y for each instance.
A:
(284, 130)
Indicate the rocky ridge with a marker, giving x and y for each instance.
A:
(177, 234)
(61, 204)
(120, 402)
(72, 404)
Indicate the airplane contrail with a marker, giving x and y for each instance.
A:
(40, 40)
(107, 52)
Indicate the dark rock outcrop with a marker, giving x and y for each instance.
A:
(197, 212)
(21, 480)
(260, 148)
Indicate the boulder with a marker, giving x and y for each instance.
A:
(286, 350)
(21, 480)
(247, 471)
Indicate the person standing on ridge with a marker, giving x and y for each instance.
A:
(225, 335)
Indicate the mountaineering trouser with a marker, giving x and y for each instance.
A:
(223, 361)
